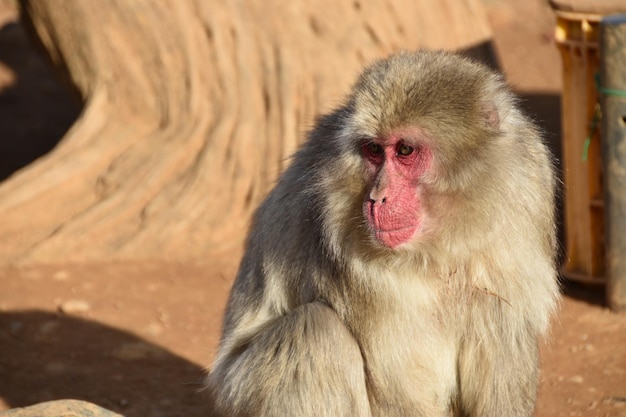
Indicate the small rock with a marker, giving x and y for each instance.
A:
(61, 275)
(163, 316)
(48, 327)
(577, 379)
(136, 350)
(154, 329)
(74, 306)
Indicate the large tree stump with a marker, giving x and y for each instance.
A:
(191, 109)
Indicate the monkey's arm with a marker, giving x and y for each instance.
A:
(305, 363)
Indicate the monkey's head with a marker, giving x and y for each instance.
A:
(424, 137)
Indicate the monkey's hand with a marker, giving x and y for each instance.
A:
(305, 363)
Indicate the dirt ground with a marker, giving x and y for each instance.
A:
(136, 337)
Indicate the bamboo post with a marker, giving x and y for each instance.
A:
(576, 35)
(612, 89)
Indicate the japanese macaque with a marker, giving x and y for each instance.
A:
(404, 264)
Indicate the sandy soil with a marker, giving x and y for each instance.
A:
(136, 337)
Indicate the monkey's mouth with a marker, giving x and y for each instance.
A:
(392, 238)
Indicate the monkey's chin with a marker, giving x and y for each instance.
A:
(392, 239)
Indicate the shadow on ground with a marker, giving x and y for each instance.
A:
(45, 356)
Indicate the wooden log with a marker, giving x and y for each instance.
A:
(612, 89)
(191, 110)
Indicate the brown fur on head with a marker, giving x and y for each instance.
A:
(480, 152)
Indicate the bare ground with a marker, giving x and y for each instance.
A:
(135, 337)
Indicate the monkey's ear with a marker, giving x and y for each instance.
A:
(490, 115)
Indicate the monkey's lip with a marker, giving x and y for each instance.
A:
(398, 229)
(392, 238)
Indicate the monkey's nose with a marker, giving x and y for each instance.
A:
(377, 197)
(375, 205)
(377, 202)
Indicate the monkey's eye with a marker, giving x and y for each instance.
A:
(405, 150)
(374, 148)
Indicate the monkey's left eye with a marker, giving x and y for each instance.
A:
(405, 150)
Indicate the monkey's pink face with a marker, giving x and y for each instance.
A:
(392, 205)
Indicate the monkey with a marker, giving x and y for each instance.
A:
(404, 262)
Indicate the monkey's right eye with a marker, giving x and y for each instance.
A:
(374, 148)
